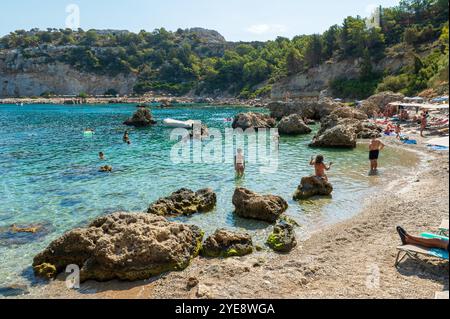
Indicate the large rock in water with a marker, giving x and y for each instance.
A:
(293, 125)
(306, 108)
(312, 186)
(123, 246)
(141, 118)
(225, 243)
(253, 120)
(342, 128)
(184, 202)
(282, 238)
(249, 204)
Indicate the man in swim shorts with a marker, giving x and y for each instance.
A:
(375, 147)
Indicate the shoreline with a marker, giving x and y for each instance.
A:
(164, 101)
(334, 262)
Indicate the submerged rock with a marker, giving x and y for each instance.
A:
(225, 243)
(123, 246)
(253, 120)
(184, 202)
(23, 234)
(141, 118)
(293, 125)
(106, 169)
(312, 186)
(14, 291)
(282, 238)
(249, 204)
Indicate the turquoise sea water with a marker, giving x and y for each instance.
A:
(49, 175)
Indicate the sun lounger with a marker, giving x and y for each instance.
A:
(414, 252)
(443, 228)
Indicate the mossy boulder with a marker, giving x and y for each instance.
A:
(184, 202)
(312, 186)
(225, 243)
(45, 270)
(122, 246)
(282, 239)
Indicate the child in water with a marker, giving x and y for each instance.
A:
(320, 166)
(239, 163)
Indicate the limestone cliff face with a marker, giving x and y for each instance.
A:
(28, 76)
(311, 82)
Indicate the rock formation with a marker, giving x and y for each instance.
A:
(122, 246)
(225, 243)
(141, 118)
(293, 125)
(253, 120)
(312, 186)
(378, 102)
(282, 238)
(342, 128)
(261, 207)
(184, 202)
(306, 108)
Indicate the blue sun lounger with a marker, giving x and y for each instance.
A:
(414, 251)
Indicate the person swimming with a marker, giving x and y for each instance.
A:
(375, 147)
(101, 156)
(320, 167)
(239, 163)
(126, 137)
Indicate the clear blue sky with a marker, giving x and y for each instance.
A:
(235, 19)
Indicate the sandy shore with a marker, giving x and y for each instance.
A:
(353, 259)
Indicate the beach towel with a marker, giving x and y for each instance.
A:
(409, 142)
(438, 147)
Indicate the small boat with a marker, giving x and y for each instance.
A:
(179, 124)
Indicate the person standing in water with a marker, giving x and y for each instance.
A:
(320, 167)
(239, 163)
(375, 147)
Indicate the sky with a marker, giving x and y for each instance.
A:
(236, 20)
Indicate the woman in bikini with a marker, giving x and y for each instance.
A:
(320, 167)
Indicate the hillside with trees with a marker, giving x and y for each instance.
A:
(203, 62)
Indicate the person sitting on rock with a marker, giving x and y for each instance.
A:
(320, 167)
(239, 163)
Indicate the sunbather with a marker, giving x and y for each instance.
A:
(419, 241)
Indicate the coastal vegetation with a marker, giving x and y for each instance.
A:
(201, 61)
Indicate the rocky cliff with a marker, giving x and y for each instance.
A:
(310, 83)
(23, 74)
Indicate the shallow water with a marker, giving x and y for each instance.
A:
(49, 174)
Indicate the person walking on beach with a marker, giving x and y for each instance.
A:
(375, 147)
(239, 163)
(398, 131)
(423, 124)
(320, 167)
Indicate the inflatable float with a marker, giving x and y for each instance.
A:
(179, 124)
